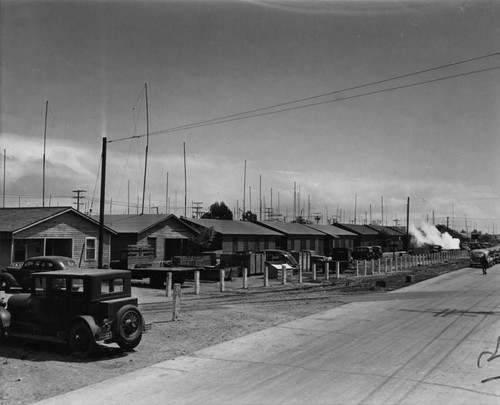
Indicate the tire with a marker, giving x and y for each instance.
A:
(128, 328)
(2, 334)
(81, 340)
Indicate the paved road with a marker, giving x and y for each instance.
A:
(418, 345)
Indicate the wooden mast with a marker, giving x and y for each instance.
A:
(147, 147)
(44, 145)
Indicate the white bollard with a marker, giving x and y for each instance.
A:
(222, 277)
(168, 284)
(245, 278)
(197, 282)
(177, 302)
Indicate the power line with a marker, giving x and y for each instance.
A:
(263, 111)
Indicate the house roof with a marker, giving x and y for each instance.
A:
(332, 231)
(388, 229)
(229, 227)
(291, 228)
(137, 223)
(14, 220)
(358, 229)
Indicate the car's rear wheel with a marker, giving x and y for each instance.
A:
(81, 340)
(128, 330)
(2, 334)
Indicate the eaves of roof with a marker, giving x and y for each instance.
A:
(230, 227)
(358, 229)
(15, 220)
(141, 223)
(291, 228)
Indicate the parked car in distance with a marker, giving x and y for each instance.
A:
(76, 307)
(476, 255)
(277, 257)
(377, 252)
(362, 253)
(16, 276)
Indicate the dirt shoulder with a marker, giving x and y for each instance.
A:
(31, 371)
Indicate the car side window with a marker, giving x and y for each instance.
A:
(28, 265)
(112, 285)
(76, 285)
(40, 287)
(58, 286)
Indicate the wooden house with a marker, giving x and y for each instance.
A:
(336, 237)
(365, 235)
(166, 234)
(237, 236)
(297, 237)
(41, 231)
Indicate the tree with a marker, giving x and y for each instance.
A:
(219, 211)
(250, 216)
(204, 239)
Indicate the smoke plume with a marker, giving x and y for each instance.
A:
(429, 234)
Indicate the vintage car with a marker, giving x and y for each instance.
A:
(363, 253)
(77, 307)
(19, 276)
(476, 256)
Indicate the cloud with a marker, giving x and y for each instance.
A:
(68, 165)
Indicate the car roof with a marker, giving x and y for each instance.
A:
(53, 258)
(83, 272)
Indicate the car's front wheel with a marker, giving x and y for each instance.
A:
(81, 340)
(128, 330)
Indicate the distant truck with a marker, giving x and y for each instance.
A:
(140, 261)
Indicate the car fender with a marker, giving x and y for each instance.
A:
(5, 317)
(5, 275)
(89, 320)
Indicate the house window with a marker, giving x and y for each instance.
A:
(152, 244)
(90, 248)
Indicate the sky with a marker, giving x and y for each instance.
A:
(341, 109)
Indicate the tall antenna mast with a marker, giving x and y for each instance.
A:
(147, 147)
(244, 186)
(44, 145)
(185, 182)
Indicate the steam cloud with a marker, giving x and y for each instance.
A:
(429, 234)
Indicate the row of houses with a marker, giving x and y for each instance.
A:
(28, 232)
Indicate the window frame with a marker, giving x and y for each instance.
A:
(92, 249)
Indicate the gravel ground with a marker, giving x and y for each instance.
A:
(31, 371)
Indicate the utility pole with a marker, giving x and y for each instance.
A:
(101, 206)
(3, 187)
(382, 207)
(355, 206)
(78, 198)
(408, 224)
(244, 186)
(147, 148)
(44, 144)
(260, 198)
(197, 208)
